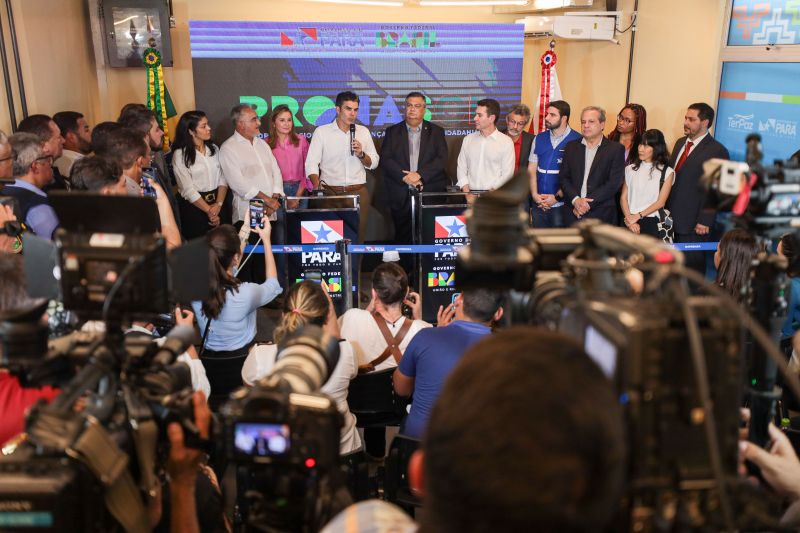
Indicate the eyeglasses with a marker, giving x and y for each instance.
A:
(626, 120)
(3, 160)
(520, 123)
(48, 158)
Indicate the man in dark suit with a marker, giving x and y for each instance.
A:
(516, 121)
(693, 223)
(413, 156)
(592, 172)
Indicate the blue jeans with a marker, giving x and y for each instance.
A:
(290, 189)
(550, 218)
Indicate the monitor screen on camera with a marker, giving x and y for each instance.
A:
(261, 439)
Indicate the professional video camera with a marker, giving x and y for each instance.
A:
(112, 265)
(676, 360)
(287, 436)
(764, 199)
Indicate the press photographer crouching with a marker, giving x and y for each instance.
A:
(106, 437)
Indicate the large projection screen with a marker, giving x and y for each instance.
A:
(305, 65)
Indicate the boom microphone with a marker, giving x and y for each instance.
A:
(352, 138)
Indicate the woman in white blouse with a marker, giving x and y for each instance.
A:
(642, 193)
(201, 184)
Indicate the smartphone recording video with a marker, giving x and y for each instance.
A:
(256, 214)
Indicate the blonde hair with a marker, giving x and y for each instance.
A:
(305, 303)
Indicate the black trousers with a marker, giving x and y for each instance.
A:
(401, 217)
(224, 371)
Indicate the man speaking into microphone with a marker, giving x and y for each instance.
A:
(339, 154)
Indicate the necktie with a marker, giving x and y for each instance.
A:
(684, 155)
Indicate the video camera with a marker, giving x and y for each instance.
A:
(286, 435)
(111, 265)
(676, 361)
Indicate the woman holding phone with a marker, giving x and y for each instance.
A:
(227, 317)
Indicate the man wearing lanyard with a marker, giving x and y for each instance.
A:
(339, 157)
(252, 173)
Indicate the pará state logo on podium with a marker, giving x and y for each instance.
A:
(321, 231)
(450, 227)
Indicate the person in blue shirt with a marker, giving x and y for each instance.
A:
(231, 307)
(33, 171)
(434, 352)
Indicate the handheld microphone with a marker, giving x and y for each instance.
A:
(352, 138)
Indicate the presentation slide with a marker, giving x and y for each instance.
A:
(304, 65)
(761, 98)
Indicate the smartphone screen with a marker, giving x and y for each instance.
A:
(147, 186)
(256, 214)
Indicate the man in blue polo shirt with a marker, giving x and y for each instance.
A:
(544, 165)
(434, 352)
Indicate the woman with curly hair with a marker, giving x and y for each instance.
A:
(631, 125)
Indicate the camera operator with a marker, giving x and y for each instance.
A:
(14, 398)
(183, 317)
(183, 466)
(781, 470)
(308, 303)
(520, 439)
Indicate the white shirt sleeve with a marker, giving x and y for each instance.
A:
(462, 170)
(199, 378)
(183, 175)
(507, 167)
(314, 157)
(275, 171)
(369, 148)
(221, 174)
(233, 174)
(259, 362)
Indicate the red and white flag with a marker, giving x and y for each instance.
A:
(549, 90)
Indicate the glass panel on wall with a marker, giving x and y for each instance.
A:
(764, 23)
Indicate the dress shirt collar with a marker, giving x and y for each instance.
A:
(698, 140)
(242, 139)
(595, 147)
(557, 139)
(496, 134)
(415, 130)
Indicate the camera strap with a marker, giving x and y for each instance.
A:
(145, 438)
(393, 343)
(99, 452)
